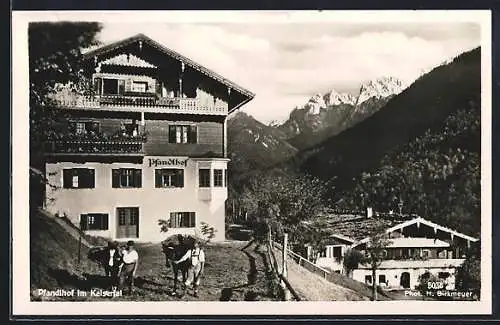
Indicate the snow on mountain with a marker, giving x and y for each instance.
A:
(315, 104)
(335, 98)
(379, 88)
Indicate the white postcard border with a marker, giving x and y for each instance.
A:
(21, 304)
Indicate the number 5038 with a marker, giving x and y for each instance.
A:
(435, 285)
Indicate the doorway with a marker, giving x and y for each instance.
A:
(127, 222)
(405, 280)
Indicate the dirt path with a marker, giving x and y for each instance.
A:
(312, 287)
(231, 274)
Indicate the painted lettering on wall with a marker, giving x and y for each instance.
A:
(167, 162)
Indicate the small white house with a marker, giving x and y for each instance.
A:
(416, 247)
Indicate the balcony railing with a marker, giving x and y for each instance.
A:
(97, 146)
(151, 103)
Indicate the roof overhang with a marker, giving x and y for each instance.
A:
(418, 221)
(142, 39)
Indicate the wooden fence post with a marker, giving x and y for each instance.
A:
(284, 273)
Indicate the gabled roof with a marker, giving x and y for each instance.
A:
(344, 238)
(141, 37)
(420, 220)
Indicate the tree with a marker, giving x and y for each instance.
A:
(55, 58)
(207, 231)
(468, 276)
(287, 201)
(352, 259)
(375, 254)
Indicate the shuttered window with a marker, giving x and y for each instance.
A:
(94, 221)
(183, 134)
(169, 178)
(126, 177)
(225, 177)
(79, 178)
(182, 219)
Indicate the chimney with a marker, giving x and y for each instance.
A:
(369, 212)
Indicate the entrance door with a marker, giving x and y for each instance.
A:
(405, 280)
(128, 222)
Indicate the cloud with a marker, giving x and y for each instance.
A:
(285, 64)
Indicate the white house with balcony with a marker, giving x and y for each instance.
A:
(417, 247)
(145, 140)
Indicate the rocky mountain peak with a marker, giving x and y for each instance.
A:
(380, 87)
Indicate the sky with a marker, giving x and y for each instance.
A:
(286, 64)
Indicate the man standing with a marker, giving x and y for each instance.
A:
(197, 256)
(129, 267)
(113, 262)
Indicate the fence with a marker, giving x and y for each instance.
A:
(281, 274)
(301, 261)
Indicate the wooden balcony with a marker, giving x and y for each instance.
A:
(96, 147)
(146, 104)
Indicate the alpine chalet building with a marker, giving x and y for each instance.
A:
(416, 248)
(145, 141)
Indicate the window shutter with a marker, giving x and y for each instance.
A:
(115, 176)
(172, 220)
(158, 182)
(84, 222)
(97, 85)
(151, 86)
(171, 133)
(193, 134)
(158, 88)
(180, 178)
(192, 221)
(67, 178)
(121, 86)
(128, 85)
(137, 177)
(86, 178)
(104, 221)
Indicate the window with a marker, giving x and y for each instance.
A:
(113, 86)
(127, 177)
(182, 134)
(368, 279)
(444, 275)
(425, 253)
(82, 127)
(204, 178)
(218, 178)
(182, 219)
(381, 278)
(78, 178)
(169, 178)
(140, 86)
(94, 221)
(128, 216)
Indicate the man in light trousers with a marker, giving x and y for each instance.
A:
(197, 256)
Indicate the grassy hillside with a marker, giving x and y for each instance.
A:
(420, 151)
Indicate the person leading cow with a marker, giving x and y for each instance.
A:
(197, 256)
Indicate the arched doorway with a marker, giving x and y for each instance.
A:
(405, 280)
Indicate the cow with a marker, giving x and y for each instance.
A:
(174, 248)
